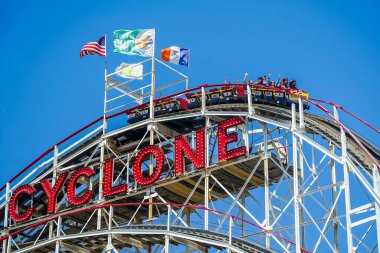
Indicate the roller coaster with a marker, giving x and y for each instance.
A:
(215, 168)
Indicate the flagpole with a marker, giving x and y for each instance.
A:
(153, 86)
(102, 148)
(188, 70)
(153, 90)
(105, 86)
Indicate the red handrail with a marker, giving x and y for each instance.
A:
(75, 133)
(349, 132)
(348, 112)
(49, 150)
(128, 110)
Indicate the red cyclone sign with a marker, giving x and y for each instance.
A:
(182, 148)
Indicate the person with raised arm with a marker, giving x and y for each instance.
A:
(292, 84)
(260, 81)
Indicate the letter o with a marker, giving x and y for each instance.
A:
(137, 166)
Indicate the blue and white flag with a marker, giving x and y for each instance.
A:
(176, 55)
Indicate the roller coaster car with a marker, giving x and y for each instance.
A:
(260, 95)
(232, 94)
(223, 95)
(174, 105)
(194, 100)
(214, 97)
(138, 114)
(161, 107)
(293, 97)
(279, 96)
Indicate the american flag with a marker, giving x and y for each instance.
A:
(98, 47)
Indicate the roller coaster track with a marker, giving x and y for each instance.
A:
(320, 125)
(283, 118)
(145, 232)
(324, 127)
(330, 130)
(202, 239)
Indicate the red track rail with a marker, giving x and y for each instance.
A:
(169, 96)
(91, 208)
(348, 112)
(375, 161)
(81, 130)
(49, 150)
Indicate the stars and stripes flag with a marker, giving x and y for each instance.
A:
(95, 48)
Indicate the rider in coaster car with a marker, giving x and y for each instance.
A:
(284, 83)
(292, 84)
(260, 81)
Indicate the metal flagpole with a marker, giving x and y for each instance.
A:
(151, 125)
(101, 171)
(105, 86)
(188, 70)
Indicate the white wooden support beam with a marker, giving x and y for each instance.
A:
(266, 186)
(206, 200)
(376, 185)
(230, 234)
(295, 184)
(251, 111)
(57, 243)
(346, 184)
(301, 114)
(6, 211)
(203, 97)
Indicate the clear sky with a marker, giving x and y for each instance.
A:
(332, 49)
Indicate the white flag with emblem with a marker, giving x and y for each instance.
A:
(130, 71)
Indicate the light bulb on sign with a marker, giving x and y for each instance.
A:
(182, 147)
(52, 192)
(108, 189)
(13, 203)
(71, 187)
(157, 171)
(224, 139)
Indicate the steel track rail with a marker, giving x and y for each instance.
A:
(281, 117)
(204, 237)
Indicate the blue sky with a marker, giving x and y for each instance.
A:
(332, 49)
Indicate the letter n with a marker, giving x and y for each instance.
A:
(182, 147)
